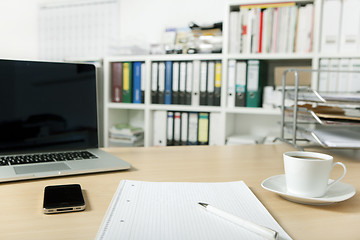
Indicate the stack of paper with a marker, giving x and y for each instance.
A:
(125, 135)
(170, 210)
(244, 139)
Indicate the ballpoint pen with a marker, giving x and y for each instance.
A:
(253, 227)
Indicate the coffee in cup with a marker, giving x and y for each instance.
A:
(307, 173)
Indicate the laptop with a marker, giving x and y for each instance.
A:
(48, 121)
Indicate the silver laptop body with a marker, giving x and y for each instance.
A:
(48, 121)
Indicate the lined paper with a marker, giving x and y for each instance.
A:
(170, 210)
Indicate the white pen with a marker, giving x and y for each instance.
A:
(253, 227)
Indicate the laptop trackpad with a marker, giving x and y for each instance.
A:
(41, 168)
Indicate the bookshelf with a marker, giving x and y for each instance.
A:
(231, 120)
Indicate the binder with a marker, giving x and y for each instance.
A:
(127, 82)
(189, 83)
(203, 82)
(254, 84)
(193, 129)
(215, 130)
(184, 128)
(243, 15)
(175, 83)
(203, 138)
(234, 33)
(154, 82)
(330, 28)
(240, 84)
(136, 82)
(275, 31)
(182, 83)
(161, 82)
(292, 29)
(354, 84)
(218, 79)
(159, 131)
(168, 82)
(195, 98)
(142, 84)
(350, 26)
(210, 83)
(116, 81)
(343, 84)
(333, 76)
(323, 76)
(177, 128)
(231, 84)
(170, 129)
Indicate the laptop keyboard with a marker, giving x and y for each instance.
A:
(45, 157)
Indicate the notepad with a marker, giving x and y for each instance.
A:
(170, 210)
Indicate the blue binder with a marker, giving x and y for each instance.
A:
(137, 82)
(168, 82)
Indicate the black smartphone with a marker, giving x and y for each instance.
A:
(63, 198)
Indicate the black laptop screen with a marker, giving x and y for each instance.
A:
(47, 106)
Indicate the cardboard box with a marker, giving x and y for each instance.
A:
(304, 77)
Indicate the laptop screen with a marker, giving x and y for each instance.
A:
(47, 106)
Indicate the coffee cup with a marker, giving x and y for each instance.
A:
(307, 173)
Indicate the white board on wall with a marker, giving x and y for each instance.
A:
(78, 29)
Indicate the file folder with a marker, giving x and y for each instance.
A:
(154, 83)
(175, 83)
(127, 82)
(203, 129)
(193, 128)
(116, 81)
(137, 82)
(254, 84)
(168, 82)
(203, 83)
(189, 83)
(218, 79)
(161, 86)
(182, 83)
(170, 129)
(210, 83)
(230, 101)
(240, 84)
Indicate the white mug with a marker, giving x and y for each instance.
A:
(307, 173)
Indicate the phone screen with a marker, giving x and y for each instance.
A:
(63, 198)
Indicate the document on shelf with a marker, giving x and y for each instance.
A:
(170, 210)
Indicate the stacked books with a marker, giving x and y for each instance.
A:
(125, 135)
(271, 28)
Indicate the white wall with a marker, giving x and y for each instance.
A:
(142, 20)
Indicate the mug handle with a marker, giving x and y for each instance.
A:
(339, 178)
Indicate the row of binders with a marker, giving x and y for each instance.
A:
(340, 26)
(271, 28)
(186, 128)
(246, 81)
(128, 82)
(186, 82)
(344, 75)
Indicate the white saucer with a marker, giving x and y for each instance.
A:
(339, 192)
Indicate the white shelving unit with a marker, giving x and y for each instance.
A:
(237, 120)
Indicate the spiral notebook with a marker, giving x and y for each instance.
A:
(170, 210)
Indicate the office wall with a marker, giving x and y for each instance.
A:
(141, 21)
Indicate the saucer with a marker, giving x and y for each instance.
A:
(338, 193)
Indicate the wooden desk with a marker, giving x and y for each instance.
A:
(21, 202)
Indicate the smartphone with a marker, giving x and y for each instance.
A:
(63, 198)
